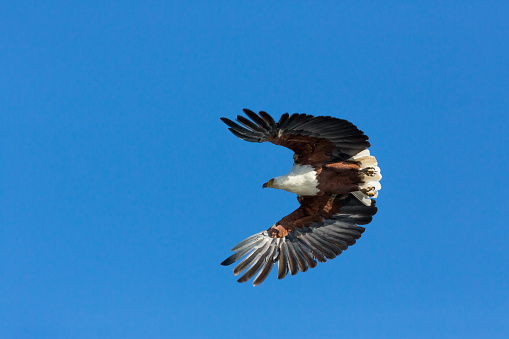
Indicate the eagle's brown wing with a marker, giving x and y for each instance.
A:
(313, 139)
(302, 246)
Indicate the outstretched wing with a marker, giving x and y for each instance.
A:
(313, 139)
(302, 247)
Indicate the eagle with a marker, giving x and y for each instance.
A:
(335, 178)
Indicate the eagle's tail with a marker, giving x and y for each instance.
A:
(370, 174)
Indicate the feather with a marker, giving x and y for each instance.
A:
(329, 254)
(362, 219)
(352, 230)
(264, 272)
(256, 118)
(283, 261)
(301, 119)
(240, 129)
(315, 122)
(282, 121)
(236, 256)
(358, 210)
(362, 198)
(326, 243)
(268, 119)
(346, 238)
(260, 260)
(291, 121)
(292, 259)
(248, 240)
(243, 137)
(352, 139)
(316, 252)
(340, 244)
(254, 243)
(306, 253)
(319, 123)
(249, 124)
(331, 237)
(251, 258)
(303, 266)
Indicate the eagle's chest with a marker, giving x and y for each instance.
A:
(301, 180)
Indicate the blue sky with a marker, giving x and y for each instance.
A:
(121, 191)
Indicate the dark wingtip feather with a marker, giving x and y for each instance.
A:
(249, 124)
(242, 136)
(257, 119)
(240, 129)
(268, 119)
(226, 120)
(228, 261)
(282, 121)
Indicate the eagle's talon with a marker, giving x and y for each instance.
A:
(369, 191)
(369, 171)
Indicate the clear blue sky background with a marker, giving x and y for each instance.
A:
(121, 191)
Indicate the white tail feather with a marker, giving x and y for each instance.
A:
(362, 198)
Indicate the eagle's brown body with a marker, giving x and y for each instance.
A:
(334, 176)
(339, 177)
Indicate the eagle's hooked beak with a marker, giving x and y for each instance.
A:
(268, 184)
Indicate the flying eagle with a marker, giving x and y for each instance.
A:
(334, 177)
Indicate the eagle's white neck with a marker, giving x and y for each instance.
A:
(300, 180)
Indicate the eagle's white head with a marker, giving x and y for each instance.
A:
(300, 180)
